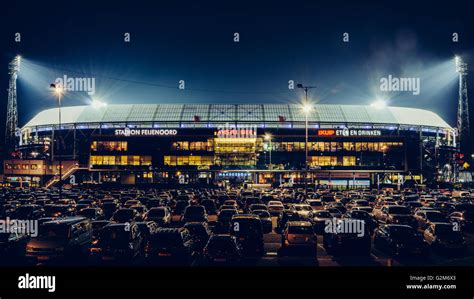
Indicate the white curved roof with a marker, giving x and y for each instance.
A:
(246, 113)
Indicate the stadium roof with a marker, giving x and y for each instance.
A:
(264, 114)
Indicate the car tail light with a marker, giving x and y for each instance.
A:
(147, 247)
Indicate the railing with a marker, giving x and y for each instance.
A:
(65, 175)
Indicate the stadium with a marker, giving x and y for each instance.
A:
(348, 146)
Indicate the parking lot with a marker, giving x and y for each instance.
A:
(239, 227)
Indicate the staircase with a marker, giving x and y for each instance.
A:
(65, 175)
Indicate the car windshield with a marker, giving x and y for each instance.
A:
(167, 240)
(156, 212)
(401, 231)
(247, 227)
(115, 235)
(53, 231)
(198, 230)
(435, 217)
(303, 208)
(262, 214)
(195, 210)
(54, 209)
(226, 213)
(298, 229)
(359, 214)
(323, 214)
(447, 229)
(124, 214)
(398, 210)
(220, 244)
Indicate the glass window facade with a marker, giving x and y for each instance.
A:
(109, 146)
(121, 160)
(336, 146)
(188, 160)
(332, 161)
(192, 146)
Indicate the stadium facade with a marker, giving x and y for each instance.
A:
(349, 146)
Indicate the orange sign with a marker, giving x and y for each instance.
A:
(326, 132)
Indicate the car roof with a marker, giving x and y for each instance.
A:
(245, 216)
(298, 223)
(396, 225)
(67, 220)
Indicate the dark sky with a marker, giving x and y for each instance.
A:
(279, 41)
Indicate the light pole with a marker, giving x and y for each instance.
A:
(268, 137)
(58, 91)
(307, 107)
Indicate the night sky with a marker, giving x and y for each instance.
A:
(279, 41)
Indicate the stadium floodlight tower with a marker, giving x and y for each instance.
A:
(463, 108)
(12, 107)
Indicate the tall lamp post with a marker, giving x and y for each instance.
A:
(307, 108)
(58, 91)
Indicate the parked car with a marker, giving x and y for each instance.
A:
(465, 220)
(275, 208)
(12, 247)
(222, 249)
(200, 233)
(126, 215)
(368, 219)
(119, 242)
(160, 215)
(304, 211)
(425, 218)
(400, 240)
(28, 212)
(55, 210)
(265, 219)
(315, 204)
(444, 236)
(223, 220)
(173, 245)
(320, 220)
(347, 243)
(300, 236)
(394, 214)
(248, 232)
(195, 214)
(91, 213)
(68, 237)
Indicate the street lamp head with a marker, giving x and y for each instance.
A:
(267, 137)
(461, 66)
(307, 107)
(57, 89)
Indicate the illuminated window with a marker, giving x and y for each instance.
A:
(109, 146)
(121, 160)
(188, 160)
